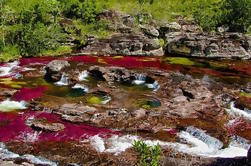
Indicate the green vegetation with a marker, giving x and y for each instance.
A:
(34, 27)
(208, 13)
(44, 27)
(236, 14)
(149, 155)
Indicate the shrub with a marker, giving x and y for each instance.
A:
(208, 13)
(98, 29)
(85, 9)
(149, 155)
(32, 26)
(237, 14)
(8, 53)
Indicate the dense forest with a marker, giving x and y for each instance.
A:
(33, 27)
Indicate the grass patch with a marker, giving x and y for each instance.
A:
(161, 9)
(59, 51)
(9, 53)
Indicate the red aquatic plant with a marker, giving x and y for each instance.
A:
(26, 94)
(17, 129)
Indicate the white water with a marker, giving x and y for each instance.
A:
(202, 144)
(117, 144)
(5, 154)
(38, 160)
(63, 81)
(30, 136)
(83, 75)
(8, 106)
(154, 86)
(193, 141)
(78, 86)
(236, 112)
(98, 143)
(107, 100)
(139, 79)
(7, 68)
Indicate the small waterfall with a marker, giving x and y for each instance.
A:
(63, 81)
(84, 88)
(8, 106)
(117, 144)
(5, 154)
(139, 79)
(193, 141)
(155, 86)
(106, 99)
(201, 135)
(236, 112)
(83, 75)
(205, 145)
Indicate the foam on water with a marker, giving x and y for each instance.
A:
(63, 81)
(8, 106)
(83, 75)
(236, 112)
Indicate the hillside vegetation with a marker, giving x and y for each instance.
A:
(34, 27)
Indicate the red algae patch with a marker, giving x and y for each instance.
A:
(36, 60)
(27, 94)
(139, 62)
(17, 129)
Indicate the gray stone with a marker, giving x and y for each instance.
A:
(57, 65)
(150, 30)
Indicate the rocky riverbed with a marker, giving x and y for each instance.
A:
(88, 110)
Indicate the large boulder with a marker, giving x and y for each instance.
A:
(229, 45)
(124, 44)
(54, 70)
(111, 74)
(43, 124)
(169, 27)
(150, 31)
